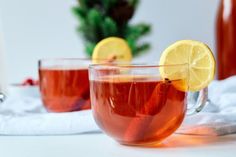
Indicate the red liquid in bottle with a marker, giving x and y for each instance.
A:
(226, 39)
(137, 111)
(65, 90)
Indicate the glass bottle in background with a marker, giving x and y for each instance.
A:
(226, 38)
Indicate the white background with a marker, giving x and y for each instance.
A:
(35, 29)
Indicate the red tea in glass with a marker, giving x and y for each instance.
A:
(137, 109)
(64, 88)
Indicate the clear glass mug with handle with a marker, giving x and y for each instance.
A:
(64, 84)
(137, 104)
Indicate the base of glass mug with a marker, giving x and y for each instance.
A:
(154, 143)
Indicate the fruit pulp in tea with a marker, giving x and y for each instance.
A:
(64, 90)
(138, 110)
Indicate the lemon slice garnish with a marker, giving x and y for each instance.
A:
(199, 58)
(111, 49)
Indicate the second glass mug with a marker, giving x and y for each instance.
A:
(137, 104)
(64, 84)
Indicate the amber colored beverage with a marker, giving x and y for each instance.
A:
(64, 90)
(137, 110)
(226, 38)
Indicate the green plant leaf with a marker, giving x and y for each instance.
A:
(142, 48)
(137, 49)
(108, 4)
(137, 31)
(96, 23)
(87, 32)
(94, 17)
(134, 3)
(94, 20)
(132, 44)
(83, 4)
(89, 48)
(79, 12)
(109, 28)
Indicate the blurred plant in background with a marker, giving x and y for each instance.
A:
(100, 19)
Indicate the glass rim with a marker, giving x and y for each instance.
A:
(71, 59)
(118, 64)
(63, 59)
(133, 65)
(64, 63)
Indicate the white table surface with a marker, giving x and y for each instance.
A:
(99, 145)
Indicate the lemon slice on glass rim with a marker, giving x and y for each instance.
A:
(197, 56)
(112, 49)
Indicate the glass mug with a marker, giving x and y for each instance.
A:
(136, 106)
(64, 84)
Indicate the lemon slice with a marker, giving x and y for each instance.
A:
(199, 60)
(111, 49)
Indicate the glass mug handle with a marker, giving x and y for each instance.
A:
(197, 101)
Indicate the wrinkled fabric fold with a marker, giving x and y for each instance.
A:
(23, 114)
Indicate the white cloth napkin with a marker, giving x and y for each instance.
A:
(23, 114)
